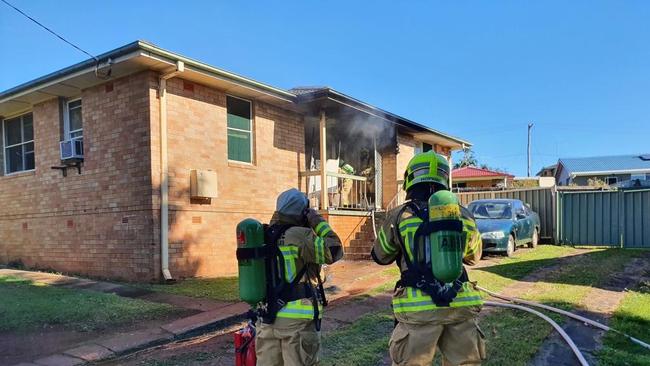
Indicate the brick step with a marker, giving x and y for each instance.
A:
(358, 257)
(357, 250)
(364, 236)
(360, 243)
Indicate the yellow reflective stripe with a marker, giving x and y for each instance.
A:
(290, 254)
(416, 300)
(385, 245)
(410, 221)
(319, 250)
(323, 229)
(297, 310)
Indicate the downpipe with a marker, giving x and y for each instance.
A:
(164, 170)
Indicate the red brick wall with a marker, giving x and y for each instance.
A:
(98, 223)
(346, 226)
(202, 234)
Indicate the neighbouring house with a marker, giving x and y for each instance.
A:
(139, 166)
(611, 170)
(473, 178)
(547, 171)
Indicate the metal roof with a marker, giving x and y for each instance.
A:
(605, 164)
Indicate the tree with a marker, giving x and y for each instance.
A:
(468, 159)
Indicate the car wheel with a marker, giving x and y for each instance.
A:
(534, 240)
(510, 250)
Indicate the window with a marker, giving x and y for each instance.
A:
(240, 135)
(73, 124)
(638, 176)
(19, 143)
(611, 180)
(426, 147)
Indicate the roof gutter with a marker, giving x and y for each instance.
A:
(219, 72)
(603, 172)
(117, 55)
(128, 51)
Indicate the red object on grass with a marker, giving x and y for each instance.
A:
(245, 346)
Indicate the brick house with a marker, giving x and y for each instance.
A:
(139, 166)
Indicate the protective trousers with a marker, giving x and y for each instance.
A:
(295, 343)
(458, 337)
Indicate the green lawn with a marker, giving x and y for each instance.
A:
(25, 306)
(632, 317)
(223, 289)
(513, 337)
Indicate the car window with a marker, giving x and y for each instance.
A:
(491, 210)
(519, 207)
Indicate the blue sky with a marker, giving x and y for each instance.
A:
(579, 70)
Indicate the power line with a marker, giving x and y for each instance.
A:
(50, 30)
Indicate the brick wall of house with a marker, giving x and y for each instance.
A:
(346, 226)
(202, 233)
(98, 223)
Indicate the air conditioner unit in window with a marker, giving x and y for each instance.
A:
(72, 149)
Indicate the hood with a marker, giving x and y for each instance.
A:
(289, 208)
(487, 225)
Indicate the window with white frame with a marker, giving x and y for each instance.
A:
(18, 141)
(641, 176)
(240, 129)
(73, 123)
(611, 180)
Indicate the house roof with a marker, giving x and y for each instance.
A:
(548, 167)
(470, 172)
(606, 164)
(307, 94)
(142, 55)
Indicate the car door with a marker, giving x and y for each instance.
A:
(524, 232)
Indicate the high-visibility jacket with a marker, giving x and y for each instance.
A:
(387, 249)
(301, 246)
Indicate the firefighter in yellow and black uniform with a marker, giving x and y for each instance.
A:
(426, 320)
(306, 241)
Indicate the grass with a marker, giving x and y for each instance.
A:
(512, 269)
(632, 317)
(222, 289)
(27, 306)
(362, 343)
(187, 359)
(514, 337)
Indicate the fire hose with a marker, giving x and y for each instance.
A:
(513, 305)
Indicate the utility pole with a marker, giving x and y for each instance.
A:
(530, 126)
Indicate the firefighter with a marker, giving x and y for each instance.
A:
(306, 241)
(430, 314)
(347, 184)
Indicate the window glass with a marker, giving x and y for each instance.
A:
(426, 147)
(239, 114)
(239, 147)
(75, 123)
(12, 131)
(14, 159)
(28, 128)
(239, 130)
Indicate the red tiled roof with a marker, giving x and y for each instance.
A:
(472, 172)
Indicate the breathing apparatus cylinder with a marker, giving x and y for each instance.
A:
(252, 271)
(447, 244)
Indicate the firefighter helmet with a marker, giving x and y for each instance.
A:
(427, 167)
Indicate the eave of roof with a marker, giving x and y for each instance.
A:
(150, 48)
(306, 95)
